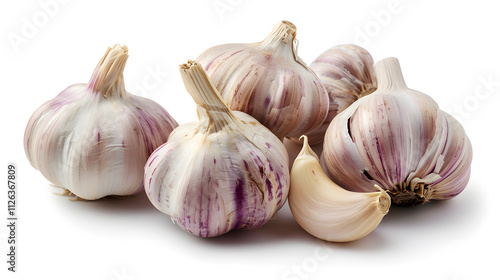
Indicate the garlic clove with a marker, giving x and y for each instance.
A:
(269, 81)
(347, 73)
(399, 139)
(223, 173)
(326, 210)
(94, 139)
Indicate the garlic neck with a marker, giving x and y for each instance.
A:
(206, 96)
(283, 37)
(389, 75)
(282, 34)
(108, 75)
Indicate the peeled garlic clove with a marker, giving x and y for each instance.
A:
(398, 138)
(225, 172)
(268, 81)
(94, 139)
(347, 73)
(325, 209)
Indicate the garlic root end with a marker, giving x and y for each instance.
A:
(384, 200)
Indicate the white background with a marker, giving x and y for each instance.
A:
(449, 50)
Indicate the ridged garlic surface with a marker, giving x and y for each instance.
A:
(347, 73)
(399, 139)
(326, 210)
(225, 172)
(268, 81)
(94, 139)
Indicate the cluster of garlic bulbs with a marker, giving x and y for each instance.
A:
(383, 144)
(94, 139)
(394, 146)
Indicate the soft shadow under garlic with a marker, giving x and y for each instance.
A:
(438, 215)
(281, 228)
(136, 203)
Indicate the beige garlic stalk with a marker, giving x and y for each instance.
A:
(223, 173)
(269, 81)
(347, 73)
(94, 139)
(325, 209)
(399, 139)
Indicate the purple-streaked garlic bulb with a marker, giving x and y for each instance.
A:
(347, 73)
(94, 139)
(225, 172)
(399, 139)
(268, 81)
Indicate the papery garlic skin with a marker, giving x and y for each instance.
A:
(399, 139)
(94, 139)
(347, 73)
(225, 172)
(326, 210)
(268, 81)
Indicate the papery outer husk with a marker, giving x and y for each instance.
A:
(399, 139)
(92, 145)
(270, 82)
(347, 73)
(225, 172)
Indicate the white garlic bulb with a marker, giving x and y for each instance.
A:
(225, 172)
(94, 139)
(325, 209)
(347, 73)
(399, 139)
(268, 81)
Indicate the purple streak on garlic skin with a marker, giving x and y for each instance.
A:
(237, 194)
(399, 139)
(269, 81)
(346, 71)
(222, 173)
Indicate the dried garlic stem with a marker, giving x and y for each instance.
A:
(205, 95)
(108, 75)
(389, 75)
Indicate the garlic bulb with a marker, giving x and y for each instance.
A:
(268, 81)
(325, 209)
(94, 139)
(399, 139)
(347, 73)
(225, 172)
